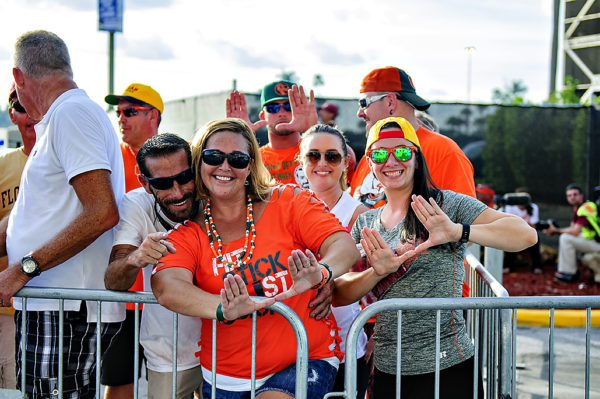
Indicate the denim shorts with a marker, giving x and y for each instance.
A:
(321, 376)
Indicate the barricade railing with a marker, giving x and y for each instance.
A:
(510, 303)
(492, 325)
(485, 323)
(494, 355)
(100, 296)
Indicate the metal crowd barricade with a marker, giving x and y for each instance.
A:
(491, 324)
(494, 353)
(147, 297)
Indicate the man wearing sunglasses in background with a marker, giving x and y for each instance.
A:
(389, 92)
(139, 112)
(12, 163)
(287, 113)
(167, 197)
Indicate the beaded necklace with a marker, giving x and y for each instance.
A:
(211, 230)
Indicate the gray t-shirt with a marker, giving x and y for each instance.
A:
(438, 273)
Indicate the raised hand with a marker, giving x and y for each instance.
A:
(235, 107)
(304, 111)
(154, 247)
(235, 299)
(305, 272)
(441, 228)
(380, 256)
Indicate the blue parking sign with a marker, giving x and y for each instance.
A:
(110, 15)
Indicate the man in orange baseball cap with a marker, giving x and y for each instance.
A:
(389, 92)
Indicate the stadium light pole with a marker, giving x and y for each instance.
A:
(469, 50)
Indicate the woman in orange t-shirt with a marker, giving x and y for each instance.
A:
(259, 240)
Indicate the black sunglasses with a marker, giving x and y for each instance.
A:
(235, 159)
(131, 111)
(165, 183)
(331, 156)
(274, 108)
(16, 105)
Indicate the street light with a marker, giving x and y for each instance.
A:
(469, 50)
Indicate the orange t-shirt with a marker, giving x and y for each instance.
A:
(283, 165)
(449, 167)
(131, 183)
(289, 222)
(131, 168)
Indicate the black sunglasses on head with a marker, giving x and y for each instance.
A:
(165, 183)
(235, 159)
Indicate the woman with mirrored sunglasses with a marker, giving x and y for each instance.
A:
(324, 157)
(414, 247)
(253, 239)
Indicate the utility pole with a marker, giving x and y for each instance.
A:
(111, 62)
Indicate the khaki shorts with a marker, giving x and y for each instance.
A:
(188, 382)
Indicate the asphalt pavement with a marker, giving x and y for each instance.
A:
(569, 363)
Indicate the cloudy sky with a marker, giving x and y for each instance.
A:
(188, 47)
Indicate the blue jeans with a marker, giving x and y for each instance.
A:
(321, 376)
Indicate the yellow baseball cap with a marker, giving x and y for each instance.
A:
(138, 93)
(406, 131)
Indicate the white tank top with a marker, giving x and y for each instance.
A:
(345, 207)
(345, 315)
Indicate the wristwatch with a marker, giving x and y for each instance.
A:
(30, 267)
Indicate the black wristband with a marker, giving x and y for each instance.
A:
(466, 231)
(220, 317)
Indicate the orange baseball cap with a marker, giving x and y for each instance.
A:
(392, 79)
(138, 93)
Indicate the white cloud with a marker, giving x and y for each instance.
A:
(147, 49)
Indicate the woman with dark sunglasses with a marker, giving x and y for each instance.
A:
(324, 158)
(253, 239)
(414, 248)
